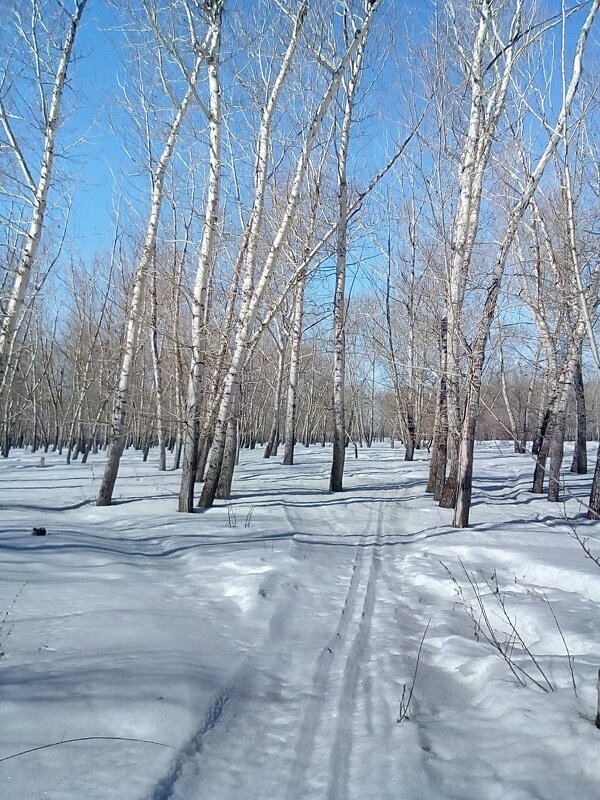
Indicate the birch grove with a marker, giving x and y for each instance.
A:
(252, 292)
(158, 173)
(321, 226)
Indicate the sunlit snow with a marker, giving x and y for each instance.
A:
(262, 649)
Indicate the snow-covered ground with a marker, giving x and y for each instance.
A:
(262, 649)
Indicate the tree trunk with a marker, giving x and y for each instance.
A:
(465, 461)
(448, 493)
(191, 431)
(544, 438)
(229, 403)
(560, 415)
(579, 465)
(272, 444)
(542, 422)
(336, 478)
(437, 467)
(594, 505)
(557, 448)
(118, 432)
(230, 453)
(339, 428)
(519, 448)
(156, 365)
(292, 392)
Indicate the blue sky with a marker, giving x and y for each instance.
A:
(100, 157)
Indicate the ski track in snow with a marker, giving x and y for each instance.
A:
(315, 705)
(340, 673)
(346, 647)
(342, 745)
(225, 702)
(163, 789)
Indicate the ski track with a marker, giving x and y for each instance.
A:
(346, 649)
(348, 643)
(222, 703)
(342, 745)
(321, 676)
(163, 790)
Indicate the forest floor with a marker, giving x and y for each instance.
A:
(266, 649)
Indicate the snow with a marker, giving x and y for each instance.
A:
(261, 648)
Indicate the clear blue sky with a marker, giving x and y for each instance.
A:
(100, 157)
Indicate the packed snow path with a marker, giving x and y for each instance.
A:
(269, 641)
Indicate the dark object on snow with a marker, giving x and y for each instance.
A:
(38, 532)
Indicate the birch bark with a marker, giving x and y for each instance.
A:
(336, 478)
(39, 190)
(199, 301)
(295, 352)
(117, 435)
(251, 299)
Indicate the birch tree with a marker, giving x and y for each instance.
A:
(515, 215)
(253, 291)
(298, 318)
(488, 88)
(582, 250)
(579, 462)
(339, 299)
(35, 35)
(205, 264)
(158, 171)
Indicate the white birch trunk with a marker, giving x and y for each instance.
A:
(509, 412)
(215, 391)
(556, 451)
(336, 478)
(157, 371)
(205, 265)
(117, 433)
(273, 442)
(39, 191)
(467, 216)
(295, 352)
(579, 463)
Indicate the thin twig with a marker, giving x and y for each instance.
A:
(404, 707)
(87, 739)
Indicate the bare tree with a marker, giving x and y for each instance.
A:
(37, 186)
(253, 291)
(158, 172)
(339, 299)
(205, 263)
(478, 347)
